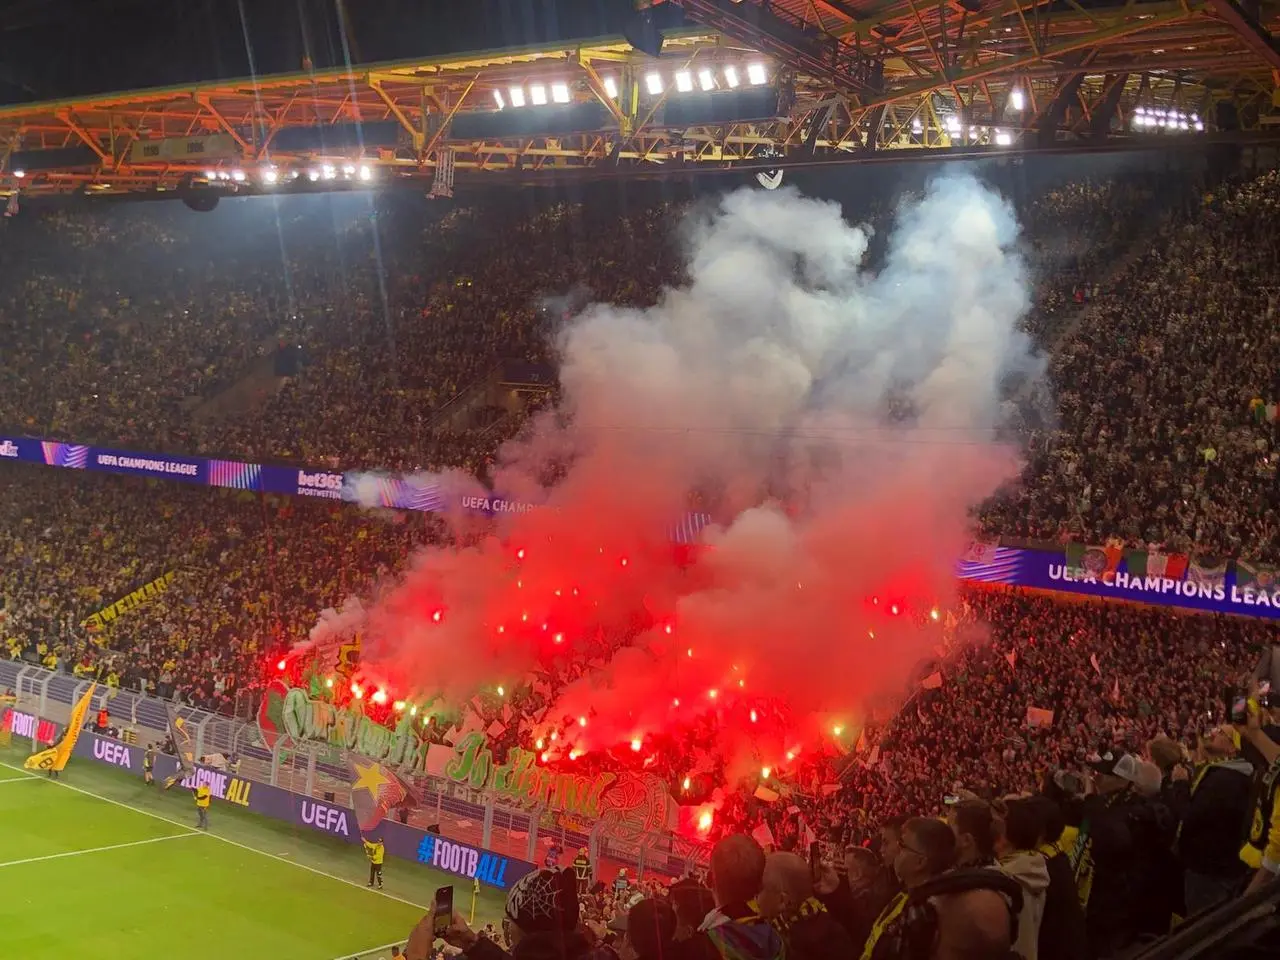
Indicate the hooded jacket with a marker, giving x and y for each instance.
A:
(1031, 871)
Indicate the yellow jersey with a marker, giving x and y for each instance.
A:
(203, 795)
(375, 851)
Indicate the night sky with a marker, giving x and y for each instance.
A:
(63, 48)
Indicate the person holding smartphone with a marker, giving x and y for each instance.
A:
(540, 923)
(1258, 744)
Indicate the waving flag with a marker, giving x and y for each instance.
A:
(56, 757)
(375, 789)
(184, 746)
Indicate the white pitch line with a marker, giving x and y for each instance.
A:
(113, 846)
(234, 843)
(18, 779)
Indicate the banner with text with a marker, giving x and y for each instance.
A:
(1211, 588)
(1168, 580)
(402, 841)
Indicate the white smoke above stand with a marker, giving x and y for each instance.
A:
(839, 424)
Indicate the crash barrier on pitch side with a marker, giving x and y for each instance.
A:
(318, 772)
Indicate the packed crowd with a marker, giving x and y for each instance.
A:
(1102, 856)
(1163, 376)
(250, 576)
(1166, 394)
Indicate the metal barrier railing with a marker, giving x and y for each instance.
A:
(456, 810)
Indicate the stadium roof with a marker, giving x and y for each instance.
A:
(805, 81)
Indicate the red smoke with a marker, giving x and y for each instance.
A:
(768, 392)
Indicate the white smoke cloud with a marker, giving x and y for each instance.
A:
(765, 385)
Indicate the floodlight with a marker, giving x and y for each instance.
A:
(366, 173)
(270, 176)
(706, 79)
(731, 76)
(537, 94)
(560, 92)
(517, 96)
(756, 74)
(611, 88)
(497, 98)
(653, 83)
(1003, 139)
(684, 81)
(1016, 99)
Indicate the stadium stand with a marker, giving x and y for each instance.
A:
(1156, 299)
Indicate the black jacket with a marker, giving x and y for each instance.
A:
(1217, 820)
(856, 910)
(1062, 934)
(1109, 913)
(817, 935)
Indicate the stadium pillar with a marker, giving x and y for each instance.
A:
(1052, 116)
(1105, 108)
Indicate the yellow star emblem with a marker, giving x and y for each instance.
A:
(369, 777)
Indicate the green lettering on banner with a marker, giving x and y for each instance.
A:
(297, 714)
(470, 762)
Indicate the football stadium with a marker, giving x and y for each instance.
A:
(640, 480)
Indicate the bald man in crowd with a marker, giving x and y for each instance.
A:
(788, 902)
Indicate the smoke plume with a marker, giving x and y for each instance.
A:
(834, 422)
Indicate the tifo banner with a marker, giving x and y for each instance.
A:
(404, 842)
(1172, 580)
(630, 802)
(130, 601)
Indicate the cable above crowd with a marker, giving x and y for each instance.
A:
(1155, 302)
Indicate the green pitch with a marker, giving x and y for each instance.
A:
(99, 865)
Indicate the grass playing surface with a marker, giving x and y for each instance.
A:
(99, 865)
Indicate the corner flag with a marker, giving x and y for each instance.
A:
(56, 757)
(183, 745)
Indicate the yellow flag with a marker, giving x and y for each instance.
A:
(56, 757)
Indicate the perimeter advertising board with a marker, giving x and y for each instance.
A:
(402, 841)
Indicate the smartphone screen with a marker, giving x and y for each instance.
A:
(1239, 709)
(442, 914)
(950, 800)
(815, 859)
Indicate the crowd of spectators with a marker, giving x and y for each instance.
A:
(1165, 394)
(250, 576)
(1162, 372)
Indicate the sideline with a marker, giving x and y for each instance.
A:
(234, 843)
(113, 846)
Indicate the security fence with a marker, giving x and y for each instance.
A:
(453, 810)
